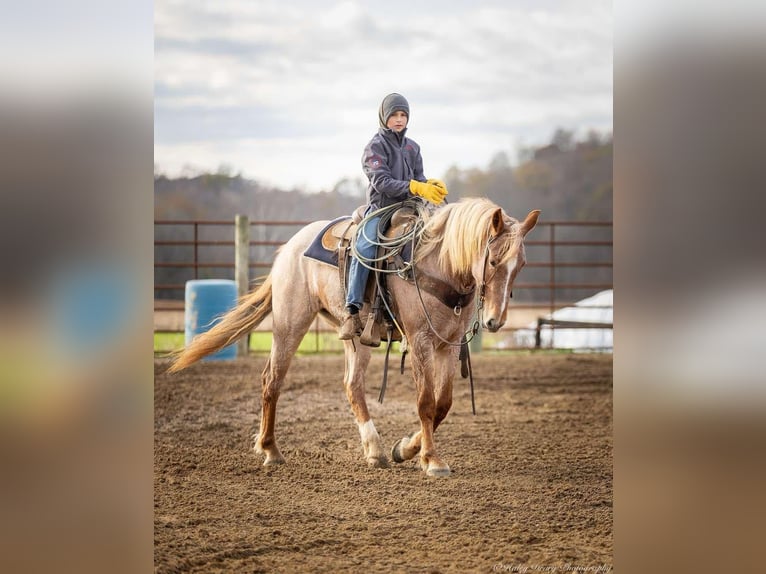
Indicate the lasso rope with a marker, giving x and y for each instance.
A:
(394, 246)
(391, 246)
(468, 336)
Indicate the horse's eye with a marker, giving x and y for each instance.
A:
(492, 263)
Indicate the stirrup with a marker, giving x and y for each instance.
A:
(371, 335)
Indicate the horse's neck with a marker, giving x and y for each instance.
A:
(429, 265)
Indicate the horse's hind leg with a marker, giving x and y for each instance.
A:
(265, 443)
(285, 341)
(356, 365)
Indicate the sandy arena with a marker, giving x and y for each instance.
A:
(530, 491)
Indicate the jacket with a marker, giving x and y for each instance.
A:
(390, 161)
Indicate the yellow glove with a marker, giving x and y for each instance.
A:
(438, 183)
(428, 191)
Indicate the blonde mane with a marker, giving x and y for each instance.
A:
(459, 234)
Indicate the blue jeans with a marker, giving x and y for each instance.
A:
(357, 273)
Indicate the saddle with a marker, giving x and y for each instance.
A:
(333, 246)
(339, 237)
(340, 232)
(343, 229)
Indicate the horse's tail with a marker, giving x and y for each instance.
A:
(238, 322)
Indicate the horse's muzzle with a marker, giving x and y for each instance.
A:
(493, 325)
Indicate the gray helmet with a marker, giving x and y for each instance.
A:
(392, 103)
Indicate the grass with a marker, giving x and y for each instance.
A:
(260, 342)
(322, 342)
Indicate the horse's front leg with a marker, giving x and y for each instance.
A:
(434, 371)
(356, 365)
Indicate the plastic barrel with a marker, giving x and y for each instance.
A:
(206, 301)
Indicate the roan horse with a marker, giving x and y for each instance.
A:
(469, 245)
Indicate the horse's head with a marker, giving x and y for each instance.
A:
(501, 262)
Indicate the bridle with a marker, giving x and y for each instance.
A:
(468, 336)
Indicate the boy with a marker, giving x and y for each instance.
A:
(394, 166)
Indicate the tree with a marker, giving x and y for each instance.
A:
(351, 187)
(563, 139)
(593, 138)
(500, 162)
(534, 175)
(524, 153)
(453, 178)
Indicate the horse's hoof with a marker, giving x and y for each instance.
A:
(438, 471)
(396, 455)
(377, 462)
(273, 461)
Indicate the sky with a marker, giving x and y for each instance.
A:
(287, 92)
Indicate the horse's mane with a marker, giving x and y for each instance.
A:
(459, 233)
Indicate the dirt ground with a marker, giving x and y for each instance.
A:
(531, 487)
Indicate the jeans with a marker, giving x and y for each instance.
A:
(357, 273)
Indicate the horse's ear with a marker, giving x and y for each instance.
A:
(498, 224)
(528, 224)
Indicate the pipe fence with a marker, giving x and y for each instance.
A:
(567, 261)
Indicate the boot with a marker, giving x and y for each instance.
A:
(351, 327)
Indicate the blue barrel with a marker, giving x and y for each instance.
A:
(206, 301)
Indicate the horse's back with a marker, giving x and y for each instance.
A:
(302, 280)
(292, 251)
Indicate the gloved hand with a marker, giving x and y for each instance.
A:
(438, 183)
(428, 191)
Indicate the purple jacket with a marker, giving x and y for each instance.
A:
(390, 161)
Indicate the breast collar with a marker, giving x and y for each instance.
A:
(444, 292)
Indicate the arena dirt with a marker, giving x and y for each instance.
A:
(531, 488)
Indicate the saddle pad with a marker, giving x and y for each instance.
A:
(318, 250)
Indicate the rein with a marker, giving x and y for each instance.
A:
(440, 289)
(458, 309)
(465, 354)
(392, 247)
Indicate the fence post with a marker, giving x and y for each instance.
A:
(552, 278)
(242, 267)
(538, 333)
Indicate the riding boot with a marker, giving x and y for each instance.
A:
(351, 327)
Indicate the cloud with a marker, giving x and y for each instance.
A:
(233, 73)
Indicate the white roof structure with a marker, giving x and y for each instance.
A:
(595, 309)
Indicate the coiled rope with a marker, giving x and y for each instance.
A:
(391, 246)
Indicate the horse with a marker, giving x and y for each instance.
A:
(472, 246)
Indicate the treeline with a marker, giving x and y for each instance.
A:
(569, 179)
(222, 195)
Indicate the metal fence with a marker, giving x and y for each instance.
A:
(567, 261)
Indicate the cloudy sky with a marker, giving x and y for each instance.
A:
(287, 92)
